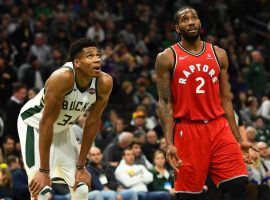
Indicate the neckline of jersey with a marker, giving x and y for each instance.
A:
(191, 53)
(82, 90)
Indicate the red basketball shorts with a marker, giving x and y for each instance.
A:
(206, 148)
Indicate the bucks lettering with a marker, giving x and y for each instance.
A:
(76, 105)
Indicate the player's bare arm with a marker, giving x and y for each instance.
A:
(164, 67)
(225, 92)
(55, 92)
(226, 100)
(91, 126)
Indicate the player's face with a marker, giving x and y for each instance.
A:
(89, 62)
(188, 25)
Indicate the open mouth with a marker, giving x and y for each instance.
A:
(97, 68)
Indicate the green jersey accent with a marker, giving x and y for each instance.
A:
(75, 104)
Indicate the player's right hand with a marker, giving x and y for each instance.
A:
(173, 158)
(82, 175)
(39, 181)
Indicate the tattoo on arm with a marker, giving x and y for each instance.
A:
(165, 109)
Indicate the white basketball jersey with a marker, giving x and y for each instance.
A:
(75, 104)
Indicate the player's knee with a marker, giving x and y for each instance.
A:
(82, 191)
(45, 193)
(235, 187)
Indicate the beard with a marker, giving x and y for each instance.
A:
(190, 37)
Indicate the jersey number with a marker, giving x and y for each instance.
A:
(199, 87)
(66, 120)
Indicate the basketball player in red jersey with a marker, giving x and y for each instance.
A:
(197, 116)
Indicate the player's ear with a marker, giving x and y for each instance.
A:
(177, 28)
(76, 63)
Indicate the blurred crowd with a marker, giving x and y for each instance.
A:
(128, 160)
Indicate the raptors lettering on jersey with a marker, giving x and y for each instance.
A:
(195, 85)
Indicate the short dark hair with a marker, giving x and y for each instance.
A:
(78, 45)
(12, 159)
(135, 142)
(7, 137)
(126, 149)
(18, 86)
(176, 15)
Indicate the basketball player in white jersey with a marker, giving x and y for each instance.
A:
(49, 147)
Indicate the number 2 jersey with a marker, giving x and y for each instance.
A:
(195, 84)
(75, 104)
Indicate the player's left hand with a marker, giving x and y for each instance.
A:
(245, 146)
(82, 175)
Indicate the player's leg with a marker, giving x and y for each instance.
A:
(235, 188)
(193, 148)
(185, 196)
(66, 164)
(29, 139)
(228, 170)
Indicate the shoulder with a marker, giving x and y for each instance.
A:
(165, 57)
(60, 76)
(219, 51)
(221, 56)
(105, 84)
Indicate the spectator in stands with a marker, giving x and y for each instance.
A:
(251, 133)
(151, 144)
(250, 112)
(259, 176)
(13, 108)
(33, 76)
(96, 32)
(140, 158)
(8, 76)
(103, 178)
(114, 151)
(136, 177)
(1, 156)
(32, 92)
(265, 158)
(5, 182)
(163, 179)
(41, 50)
(8, 146)
(264, 109)
(139, 121)
(256, 74)
(19, 179)
(263, 133)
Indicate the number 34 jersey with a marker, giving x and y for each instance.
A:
(195, 83)
(75, 104)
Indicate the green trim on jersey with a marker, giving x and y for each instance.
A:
(32, 111)
(29, 147)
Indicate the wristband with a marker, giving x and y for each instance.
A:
(80, 166)
(46, 171)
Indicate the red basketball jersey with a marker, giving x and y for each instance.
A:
(195, 84)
